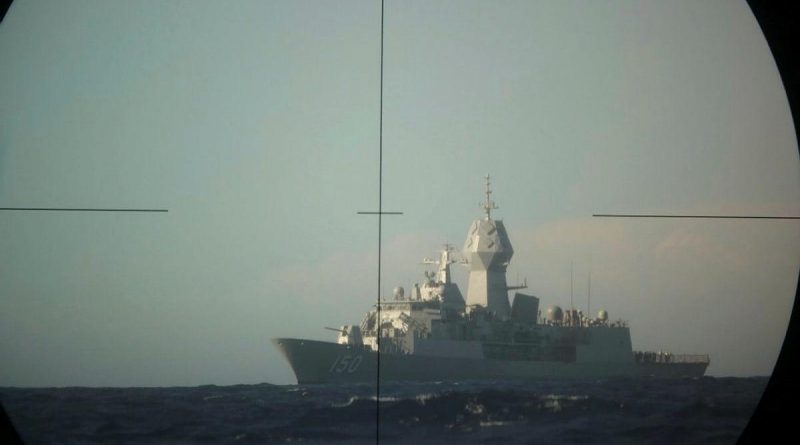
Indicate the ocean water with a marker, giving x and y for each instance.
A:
(691, 411)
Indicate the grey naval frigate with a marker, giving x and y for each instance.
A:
(433, 334)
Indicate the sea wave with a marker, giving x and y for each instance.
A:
(688, 411)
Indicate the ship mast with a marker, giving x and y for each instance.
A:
(444, 264)
(487, 252)
(445, 260)
(489, 205)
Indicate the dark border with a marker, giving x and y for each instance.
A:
(775, 415)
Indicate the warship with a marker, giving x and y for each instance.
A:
(434, 334)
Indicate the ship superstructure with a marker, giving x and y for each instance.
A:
(433, 333)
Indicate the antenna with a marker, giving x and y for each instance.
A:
(571, 283)
(489, 205)
(589, 297)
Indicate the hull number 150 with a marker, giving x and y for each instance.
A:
(346, 364)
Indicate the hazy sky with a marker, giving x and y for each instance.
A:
(256, 125)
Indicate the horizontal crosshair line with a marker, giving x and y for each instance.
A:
(380, 213)
(54, 209)
(606, 215)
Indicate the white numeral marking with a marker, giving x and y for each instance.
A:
(347, 363)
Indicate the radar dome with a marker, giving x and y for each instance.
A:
(602, 315)
(554, 313)
(399, 292)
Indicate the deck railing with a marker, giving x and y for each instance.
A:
(666, 357)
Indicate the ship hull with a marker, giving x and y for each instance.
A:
(672, 370)
(325, 362)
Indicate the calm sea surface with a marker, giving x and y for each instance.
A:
(692, 411)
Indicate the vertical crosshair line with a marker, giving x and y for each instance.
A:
(380, 214)
(380, 217)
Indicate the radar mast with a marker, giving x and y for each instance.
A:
(489, 205)
(487, 251)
